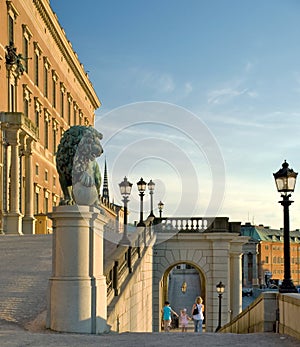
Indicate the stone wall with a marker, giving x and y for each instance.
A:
(270, 312)
(131, 310)
(289, 313)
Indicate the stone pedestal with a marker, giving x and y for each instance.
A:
(77, 288)
(28, 225)
(14, 224)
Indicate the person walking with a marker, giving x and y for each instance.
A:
(197, 314)
(166, 311)
(184, 320)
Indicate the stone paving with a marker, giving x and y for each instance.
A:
(24, 272)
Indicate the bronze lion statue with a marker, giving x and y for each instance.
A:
(76, 164)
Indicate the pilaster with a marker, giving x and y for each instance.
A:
(13, 218)
(28, 219)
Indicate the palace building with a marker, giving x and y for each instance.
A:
(44, 91)
(263, 256)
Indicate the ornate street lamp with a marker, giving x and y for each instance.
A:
(160, 208)
(125, 190)
(220, 290)
(151, 186)
(285, 180)
(141, 188)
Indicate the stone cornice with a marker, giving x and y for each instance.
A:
(64, 45)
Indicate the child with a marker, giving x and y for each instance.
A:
(167, 310)
(184, 320)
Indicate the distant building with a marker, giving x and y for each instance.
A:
(44, 90)
(263, 259)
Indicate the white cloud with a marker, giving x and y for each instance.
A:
(220, 96)
(161, 83)
(188, 88)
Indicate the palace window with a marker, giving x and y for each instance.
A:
(62, 100)
(46, 202)
(36, 69)
(46, 129)
(69, 108)
(54, 81)
(36, 62)
(12, 16)
(55, 128)
(26, 99)
(75, 113)
(37, 112)
(26, 38)
(46, 71)
(36, 198)
(12, 95)
(10, 29)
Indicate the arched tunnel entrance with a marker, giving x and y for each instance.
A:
(181, 284)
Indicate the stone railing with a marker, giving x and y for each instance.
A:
(195, 225)
(270, 312)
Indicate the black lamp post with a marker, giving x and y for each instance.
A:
(141, 188)
(160, 208)
(151, 186)
(220, 290)
(285, 180)
(125, 190)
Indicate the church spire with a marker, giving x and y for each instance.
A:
(105, 191)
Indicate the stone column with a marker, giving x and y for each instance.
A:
(245, 284)
(236, 287)
(13, 218)
(254, 269)
(28, 219)
(77, 288)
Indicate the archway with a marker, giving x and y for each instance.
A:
(216, 255)
(171, 286)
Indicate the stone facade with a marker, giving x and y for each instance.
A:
(216, 254)
(44, 91)
(263, 258)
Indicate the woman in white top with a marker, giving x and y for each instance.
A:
(197, 313)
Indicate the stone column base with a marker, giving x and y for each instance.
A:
(28, 224)
(76, 305)
(13, 224)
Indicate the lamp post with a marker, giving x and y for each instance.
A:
(141, 188)
(151, 186)
(220, 290)
(125, 190)
(160, 208)
(285, 180)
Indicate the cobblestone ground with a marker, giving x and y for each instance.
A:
(24, 272)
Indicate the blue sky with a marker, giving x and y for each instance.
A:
(180, 81)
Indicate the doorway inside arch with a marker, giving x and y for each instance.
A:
(183, 283)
